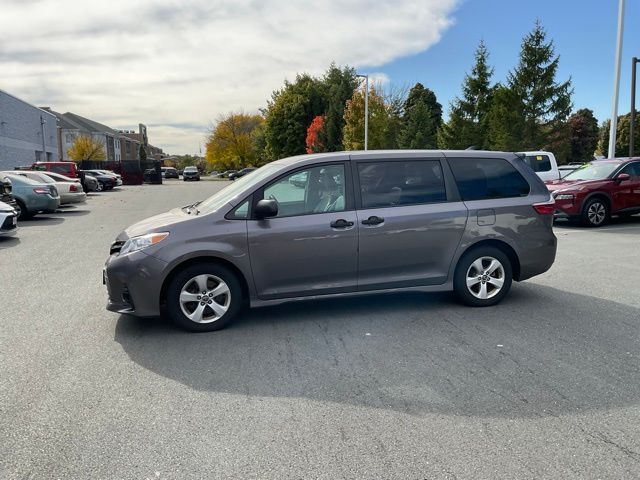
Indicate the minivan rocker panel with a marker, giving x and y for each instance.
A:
(345, 224)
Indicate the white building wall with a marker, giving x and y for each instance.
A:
(21, 133)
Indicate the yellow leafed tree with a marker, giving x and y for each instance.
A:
(230, 143)
(86, 148)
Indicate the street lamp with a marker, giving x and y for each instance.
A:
(632, 131)
(616, 83)
(366, 109)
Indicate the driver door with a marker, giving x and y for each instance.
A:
(310, 247)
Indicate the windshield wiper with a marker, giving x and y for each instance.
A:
(193, 205)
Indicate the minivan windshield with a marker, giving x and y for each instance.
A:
(592, 171)
(228, 193)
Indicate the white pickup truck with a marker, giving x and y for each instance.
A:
(543, 163)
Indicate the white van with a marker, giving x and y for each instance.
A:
(543, 163)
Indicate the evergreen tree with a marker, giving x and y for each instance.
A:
(546, 103)
(467, 125)
(421, 120)
(583, 135)
(419, 131)
(505, 121)
(339, 86)
(142, 154)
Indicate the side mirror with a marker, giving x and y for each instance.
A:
(622, 177)
(266, 209)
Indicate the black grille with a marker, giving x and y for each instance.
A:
(8, 223)
(115, 247)
(54, 191)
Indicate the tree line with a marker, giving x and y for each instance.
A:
(530, 110)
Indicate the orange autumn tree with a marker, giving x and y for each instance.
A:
(314, 144)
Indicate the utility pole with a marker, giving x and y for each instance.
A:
(44, 149)
(366, 109)
(616, 83)
(632, 127)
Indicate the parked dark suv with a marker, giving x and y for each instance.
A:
(362, 222)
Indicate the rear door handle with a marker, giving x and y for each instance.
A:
(341, 223)
(373, 220)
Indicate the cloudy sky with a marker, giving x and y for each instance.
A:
(176, 65)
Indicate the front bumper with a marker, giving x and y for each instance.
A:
(134, 282)
(8, 224)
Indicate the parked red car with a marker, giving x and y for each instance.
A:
(68, 169)
(597, 190)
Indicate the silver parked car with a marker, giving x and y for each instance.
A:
(361, 222)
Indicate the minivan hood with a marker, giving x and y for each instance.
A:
(157, 223)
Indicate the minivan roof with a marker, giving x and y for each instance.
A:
(389, 153)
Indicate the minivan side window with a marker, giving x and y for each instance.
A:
(387, 184)
(487, 178)
(539, 163)
(314, 190)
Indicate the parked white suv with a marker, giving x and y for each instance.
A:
(544, 164)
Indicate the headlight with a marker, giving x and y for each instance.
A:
(564, 196)
(143, 241)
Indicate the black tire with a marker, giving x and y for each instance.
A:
(464, 266)
(100, 187)
(185, 277)
(595, 213)
(23, 213)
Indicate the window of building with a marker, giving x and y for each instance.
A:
(386, 184)
(323, 192)
(486, 178)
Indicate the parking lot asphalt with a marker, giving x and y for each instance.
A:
(544, 385)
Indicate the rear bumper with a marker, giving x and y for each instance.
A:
(539, 259)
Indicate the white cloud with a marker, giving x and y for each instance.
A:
(175, 64)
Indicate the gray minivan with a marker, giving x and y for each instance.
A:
(338, 224)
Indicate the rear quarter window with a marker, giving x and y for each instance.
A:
(487, 178)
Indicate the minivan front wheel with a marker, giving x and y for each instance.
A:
(483, 277)
(204, 297)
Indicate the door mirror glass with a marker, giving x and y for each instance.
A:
(266, 209)
(622, 177)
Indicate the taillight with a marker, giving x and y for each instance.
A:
(73, 188)
(42, 190)
(546, 208)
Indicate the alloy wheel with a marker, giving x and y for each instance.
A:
(485, 278)
(205, 298)
(596, 213)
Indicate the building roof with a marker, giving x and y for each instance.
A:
(89, 125)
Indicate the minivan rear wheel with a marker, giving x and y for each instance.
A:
(483, 277)
(204, 297)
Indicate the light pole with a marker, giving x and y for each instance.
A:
(616, 83)
(366, 109)
(632, 130)
(44, 149)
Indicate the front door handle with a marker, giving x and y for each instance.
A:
(341, 223)
(373, 220)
